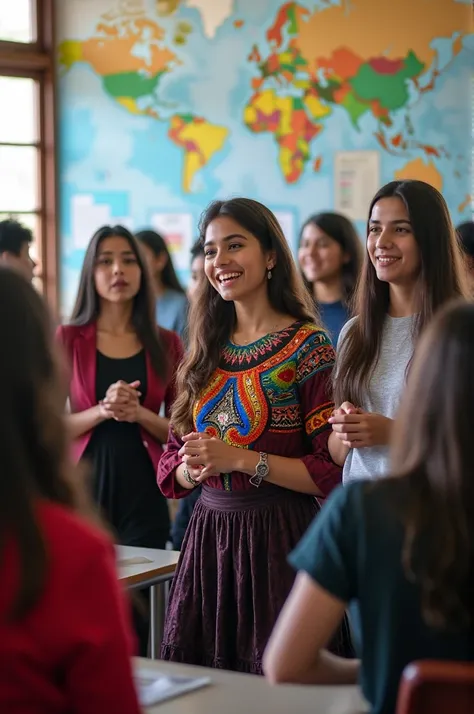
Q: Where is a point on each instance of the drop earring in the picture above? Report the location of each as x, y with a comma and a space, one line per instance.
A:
269, 274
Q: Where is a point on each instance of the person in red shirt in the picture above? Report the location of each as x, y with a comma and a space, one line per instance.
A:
65, 636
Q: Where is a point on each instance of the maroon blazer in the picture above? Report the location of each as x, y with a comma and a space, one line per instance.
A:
80, 347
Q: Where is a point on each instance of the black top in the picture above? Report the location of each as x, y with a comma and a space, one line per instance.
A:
354, 551
124, 481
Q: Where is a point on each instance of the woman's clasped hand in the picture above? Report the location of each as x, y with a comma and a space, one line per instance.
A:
121, 402
358, 429
207, 456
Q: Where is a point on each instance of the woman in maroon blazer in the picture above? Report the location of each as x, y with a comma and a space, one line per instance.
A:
122, 372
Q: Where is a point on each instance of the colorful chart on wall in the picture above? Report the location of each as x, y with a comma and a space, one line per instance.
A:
166, 105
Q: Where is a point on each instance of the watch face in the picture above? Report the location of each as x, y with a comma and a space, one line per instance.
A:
262, 470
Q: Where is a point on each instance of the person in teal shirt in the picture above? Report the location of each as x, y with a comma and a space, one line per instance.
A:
400, 549
171, 301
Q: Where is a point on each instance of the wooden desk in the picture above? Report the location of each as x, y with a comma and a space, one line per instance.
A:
154, 574
234, 693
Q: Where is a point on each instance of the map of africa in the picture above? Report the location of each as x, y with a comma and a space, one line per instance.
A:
167, 104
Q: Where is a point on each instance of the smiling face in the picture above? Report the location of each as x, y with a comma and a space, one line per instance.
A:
235, 264
117, 274
391, 245
321, 257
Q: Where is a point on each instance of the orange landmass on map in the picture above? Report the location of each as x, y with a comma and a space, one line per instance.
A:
388, 29
112, 53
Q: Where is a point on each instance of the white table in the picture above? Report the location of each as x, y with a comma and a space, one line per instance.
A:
155, 573
233, 693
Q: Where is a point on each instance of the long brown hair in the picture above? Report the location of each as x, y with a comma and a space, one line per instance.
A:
33, 441
441, 278
212, 319
157, 244
87, 306
341, 230
432, 448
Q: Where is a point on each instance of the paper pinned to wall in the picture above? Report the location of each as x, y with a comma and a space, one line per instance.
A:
177, 229
286, 220
357, 180
87, 216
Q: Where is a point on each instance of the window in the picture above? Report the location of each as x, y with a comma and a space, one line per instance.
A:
27, 137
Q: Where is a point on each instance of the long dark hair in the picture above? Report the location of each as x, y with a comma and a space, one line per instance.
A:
432, 448
87, 307
212, 319
33, 441
441, 279
157, 244
341, 230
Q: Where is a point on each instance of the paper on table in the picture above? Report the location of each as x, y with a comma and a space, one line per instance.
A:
155, 687
137, 560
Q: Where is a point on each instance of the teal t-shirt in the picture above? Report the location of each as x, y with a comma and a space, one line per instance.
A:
353, 549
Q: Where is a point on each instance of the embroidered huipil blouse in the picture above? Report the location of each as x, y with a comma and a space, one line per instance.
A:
273, 395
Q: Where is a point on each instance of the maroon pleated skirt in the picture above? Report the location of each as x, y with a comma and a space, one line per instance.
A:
233, 578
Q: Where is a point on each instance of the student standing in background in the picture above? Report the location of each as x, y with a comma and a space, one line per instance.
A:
412, 267
122, 372
15, 241
330, 258
65, 636
171, 302
465, 232
197, 269
186, 505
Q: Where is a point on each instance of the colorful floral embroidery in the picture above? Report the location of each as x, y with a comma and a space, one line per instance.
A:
256, 388
317, 420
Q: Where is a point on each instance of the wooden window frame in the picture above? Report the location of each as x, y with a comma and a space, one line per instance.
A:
35, 60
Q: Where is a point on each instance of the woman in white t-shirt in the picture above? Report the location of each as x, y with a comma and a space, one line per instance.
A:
412, 266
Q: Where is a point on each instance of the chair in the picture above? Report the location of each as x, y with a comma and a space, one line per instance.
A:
436, 687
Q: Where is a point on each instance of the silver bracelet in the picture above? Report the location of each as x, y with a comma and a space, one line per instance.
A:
189, 478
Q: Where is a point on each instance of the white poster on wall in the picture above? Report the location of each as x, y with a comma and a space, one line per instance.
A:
87, 217
357, 180
287, 222
177, 229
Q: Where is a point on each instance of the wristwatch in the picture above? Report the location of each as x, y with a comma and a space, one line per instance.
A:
261, 472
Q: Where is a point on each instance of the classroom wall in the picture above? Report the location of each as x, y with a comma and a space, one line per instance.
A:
165, 105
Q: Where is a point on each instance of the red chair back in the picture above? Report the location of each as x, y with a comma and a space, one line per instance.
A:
435, 687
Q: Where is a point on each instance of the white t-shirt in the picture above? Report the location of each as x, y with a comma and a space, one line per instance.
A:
383, 395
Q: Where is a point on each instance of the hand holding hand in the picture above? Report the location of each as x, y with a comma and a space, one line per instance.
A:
122, 401
208, 454
358, 429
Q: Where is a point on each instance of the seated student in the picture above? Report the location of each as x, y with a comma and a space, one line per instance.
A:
65, 639
401, 549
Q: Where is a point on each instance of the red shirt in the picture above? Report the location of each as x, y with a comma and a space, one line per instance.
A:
80, 346
71, 653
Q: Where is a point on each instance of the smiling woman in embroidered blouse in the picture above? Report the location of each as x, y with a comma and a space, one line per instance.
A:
252, 409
